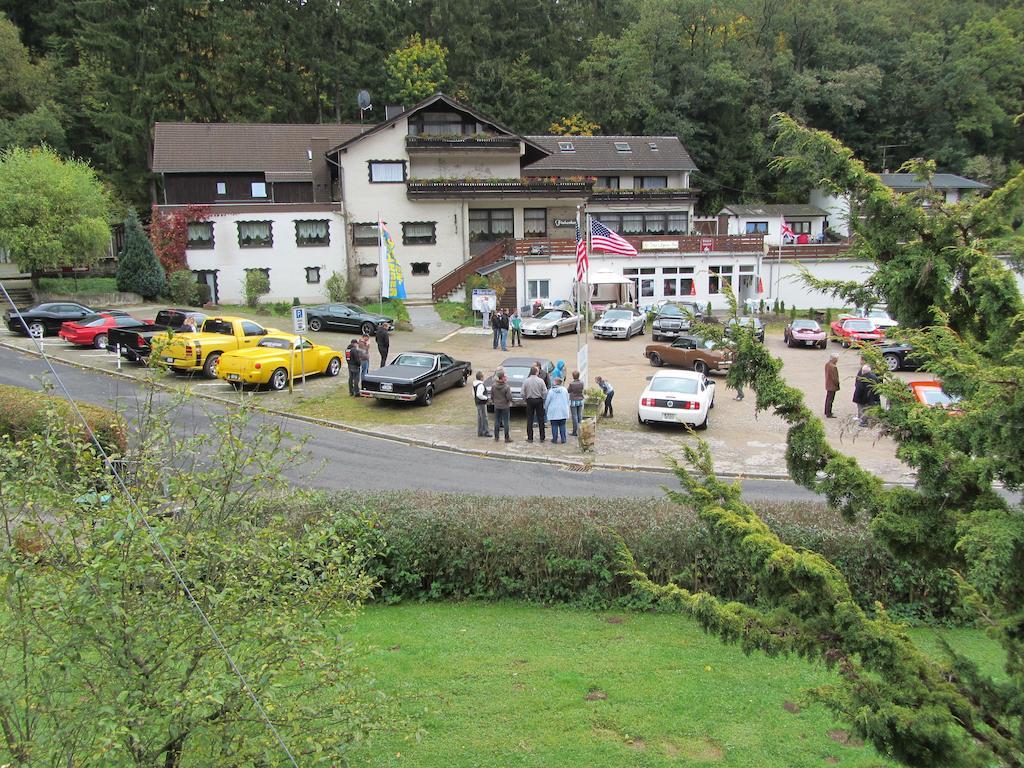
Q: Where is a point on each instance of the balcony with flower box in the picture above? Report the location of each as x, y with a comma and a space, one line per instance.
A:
421, 189
446, 142
654, 195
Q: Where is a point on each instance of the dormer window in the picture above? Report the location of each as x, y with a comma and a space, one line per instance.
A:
566, 146
653, 145
622, 146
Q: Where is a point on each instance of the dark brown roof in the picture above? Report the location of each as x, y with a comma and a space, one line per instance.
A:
278, 148
427, 102
592, 154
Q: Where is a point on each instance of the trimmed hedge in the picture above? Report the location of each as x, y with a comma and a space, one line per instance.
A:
24, 412
553, 550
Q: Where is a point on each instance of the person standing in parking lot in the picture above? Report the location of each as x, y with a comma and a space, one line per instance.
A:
354, 358
480, 398
831, 383
503, 325
542, 371
516, 322
865, 394
383, 342
556, 407
501, 399
495, 328
609, 393
364, 363
576, 397
534, 392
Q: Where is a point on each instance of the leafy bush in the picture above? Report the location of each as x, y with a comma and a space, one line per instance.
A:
256, 284
24, 413
138, 268
338, 288
182, 288
203, 294
558, 550
104, 656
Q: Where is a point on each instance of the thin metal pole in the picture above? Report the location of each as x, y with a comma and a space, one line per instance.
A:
579, 340
382, 257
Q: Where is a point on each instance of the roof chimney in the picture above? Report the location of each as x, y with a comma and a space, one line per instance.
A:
393, 110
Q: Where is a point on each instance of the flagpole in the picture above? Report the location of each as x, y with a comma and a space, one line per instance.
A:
590, 252
579, 341
381, 258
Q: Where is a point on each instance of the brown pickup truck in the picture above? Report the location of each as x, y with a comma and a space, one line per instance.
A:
689, 351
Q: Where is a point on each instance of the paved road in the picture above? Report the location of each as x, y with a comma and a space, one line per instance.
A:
367, 463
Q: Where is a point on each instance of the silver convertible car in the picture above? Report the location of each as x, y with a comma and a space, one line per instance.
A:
619, 324
551, 322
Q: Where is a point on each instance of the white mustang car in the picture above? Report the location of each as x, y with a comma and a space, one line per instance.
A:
677, 397
619, 324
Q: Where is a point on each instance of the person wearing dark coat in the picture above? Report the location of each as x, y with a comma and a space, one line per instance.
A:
831, 383
501, 399
354, 358
865, 393
383, 342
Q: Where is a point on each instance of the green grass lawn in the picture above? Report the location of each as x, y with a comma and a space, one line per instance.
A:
453, 406
69, 286
456, 312
517, 685
390, 308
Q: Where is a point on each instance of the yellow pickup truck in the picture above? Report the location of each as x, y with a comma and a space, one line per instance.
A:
188, 352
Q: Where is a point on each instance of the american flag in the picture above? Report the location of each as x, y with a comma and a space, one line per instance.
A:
582, 262
603, 239
787, 231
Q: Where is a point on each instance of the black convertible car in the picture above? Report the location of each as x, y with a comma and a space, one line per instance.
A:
344, 317
46, 319
416, 376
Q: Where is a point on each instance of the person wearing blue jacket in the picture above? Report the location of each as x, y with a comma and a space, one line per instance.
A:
559, 372
556, 407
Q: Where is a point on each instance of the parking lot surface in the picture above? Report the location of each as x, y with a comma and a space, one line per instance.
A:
742, 441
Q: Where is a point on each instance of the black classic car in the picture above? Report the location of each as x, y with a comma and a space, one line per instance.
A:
344, 317
899, 356
46, 319
416, 376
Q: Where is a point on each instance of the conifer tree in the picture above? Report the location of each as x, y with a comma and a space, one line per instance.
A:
138, 268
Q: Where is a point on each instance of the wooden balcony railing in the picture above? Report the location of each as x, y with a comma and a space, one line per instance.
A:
548, 246
810, 250
461, 142
457, 277
446, 188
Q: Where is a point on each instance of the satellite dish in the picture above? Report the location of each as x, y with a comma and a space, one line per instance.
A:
363, 97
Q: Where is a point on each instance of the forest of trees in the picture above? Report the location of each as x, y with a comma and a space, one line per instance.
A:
943, 80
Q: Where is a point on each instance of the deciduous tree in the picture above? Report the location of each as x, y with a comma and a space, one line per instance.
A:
53, 213
416, 70
105, 660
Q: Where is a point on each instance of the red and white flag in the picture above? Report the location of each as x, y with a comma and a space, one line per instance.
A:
693, 287
787, 231
582, 262
603, 239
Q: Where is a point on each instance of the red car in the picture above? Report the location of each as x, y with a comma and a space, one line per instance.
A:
852, 329
91, 330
